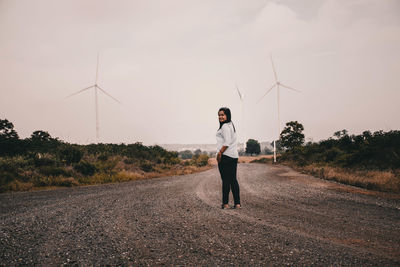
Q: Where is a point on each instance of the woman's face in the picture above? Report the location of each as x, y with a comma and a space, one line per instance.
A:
222, 116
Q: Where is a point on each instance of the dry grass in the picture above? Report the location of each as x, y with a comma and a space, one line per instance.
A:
386, 181
49, 183
248, 159
242, 159
19, 186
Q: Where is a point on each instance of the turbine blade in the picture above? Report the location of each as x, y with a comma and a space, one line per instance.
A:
273, 68
109, 95
80, 91
290, 88
240, 95
267, 92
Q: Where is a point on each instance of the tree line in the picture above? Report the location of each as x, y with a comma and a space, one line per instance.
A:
43, 160
372, 151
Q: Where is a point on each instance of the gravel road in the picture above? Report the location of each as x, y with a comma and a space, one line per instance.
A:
287, 219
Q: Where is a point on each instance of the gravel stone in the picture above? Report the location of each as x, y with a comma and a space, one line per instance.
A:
286, 218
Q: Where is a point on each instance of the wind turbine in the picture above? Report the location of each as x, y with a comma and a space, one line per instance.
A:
241, 96
96, 88
277, 84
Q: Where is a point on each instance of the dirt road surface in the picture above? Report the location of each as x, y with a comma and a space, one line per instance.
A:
287, 219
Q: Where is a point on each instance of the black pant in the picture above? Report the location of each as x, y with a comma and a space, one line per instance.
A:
227, 168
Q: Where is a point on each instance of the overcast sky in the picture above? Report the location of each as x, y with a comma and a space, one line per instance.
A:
174, 63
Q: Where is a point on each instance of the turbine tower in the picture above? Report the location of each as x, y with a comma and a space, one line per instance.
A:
96, 88
241, 96
277, 84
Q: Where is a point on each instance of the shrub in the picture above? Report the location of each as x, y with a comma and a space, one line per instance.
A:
40, 161
54, 181
103, 157
65, 182
8, 171
70, 154
107, 166
53, 171
129, 161
85, 168
146, 166
42, 181
186, 154
171, 160
16, 186
200, 160
262, 160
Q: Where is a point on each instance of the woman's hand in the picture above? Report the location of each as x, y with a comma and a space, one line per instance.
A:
219, 155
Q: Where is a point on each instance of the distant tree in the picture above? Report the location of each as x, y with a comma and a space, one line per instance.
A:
367, 135
344, 140
340, 134
253, 147
9, 139
41, 141
197, 152
186, 154
7, 130
40, 136
292, 135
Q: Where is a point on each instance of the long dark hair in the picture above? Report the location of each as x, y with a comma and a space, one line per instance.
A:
228, 114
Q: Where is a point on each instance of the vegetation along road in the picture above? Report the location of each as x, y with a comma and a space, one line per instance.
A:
287, 218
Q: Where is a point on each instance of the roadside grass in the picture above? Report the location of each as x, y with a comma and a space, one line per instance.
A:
385, 181
263, 160
19, 174
378, 180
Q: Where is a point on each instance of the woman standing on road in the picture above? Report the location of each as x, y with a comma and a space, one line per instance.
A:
227, 158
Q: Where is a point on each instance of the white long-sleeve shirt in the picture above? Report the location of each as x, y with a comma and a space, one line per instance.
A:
226, 136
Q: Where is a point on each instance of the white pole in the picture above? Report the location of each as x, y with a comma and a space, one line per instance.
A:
279, 114
96, 100
244, 137
244, 131
97, 114
279, 117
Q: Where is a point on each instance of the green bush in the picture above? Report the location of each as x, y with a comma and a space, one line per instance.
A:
85, 168
68, 182
186, 154
41, 181
103, 157
8, 171
43, 161
129, 161
146, 166
53, 171
200, 160
70, 154
171, 160
107, 166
